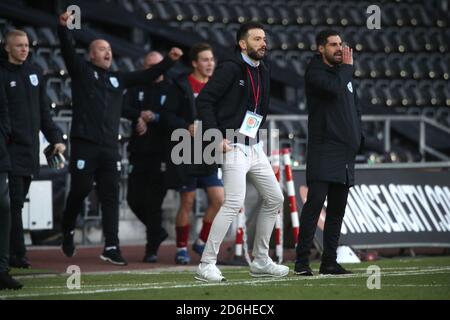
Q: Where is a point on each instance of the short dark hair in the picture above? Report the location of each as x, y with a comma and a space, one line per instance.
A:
243, 30
322, 36
197, 48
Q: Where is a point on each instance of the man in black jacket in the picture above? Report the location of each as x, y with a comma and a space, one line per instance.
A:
147, 155
6, 281
97, 106
334, 138
181, 113
236, 101
28, 110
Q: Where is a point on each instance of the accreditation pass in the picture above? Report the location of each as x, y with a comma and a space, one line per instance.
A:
250, 125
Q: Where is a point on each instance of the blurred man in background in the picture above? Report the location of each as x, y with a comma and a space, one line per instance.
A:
97, 107
6, 281
23, 94
147, 155
181, 113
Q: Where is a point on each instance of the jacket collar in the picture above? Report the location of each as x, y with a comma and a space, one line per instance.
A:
98, 69
11, 66
249, 61
317, 61
238, 58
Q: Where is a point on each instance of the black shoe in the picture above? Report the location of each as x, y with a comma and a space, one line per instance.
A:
19, 262
68, 246
114, 256
8, 282
333, 269
150, 258
303, 270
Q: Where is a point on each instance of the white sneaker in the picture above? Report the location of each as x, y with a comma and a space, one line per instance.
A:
269, 269
208, 272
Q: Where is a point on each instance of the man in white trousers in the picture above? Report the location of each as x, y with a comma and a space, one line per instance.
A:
236, 101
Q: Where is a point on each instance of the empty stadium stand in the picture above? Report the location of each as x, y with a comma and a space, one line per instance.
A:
402, 68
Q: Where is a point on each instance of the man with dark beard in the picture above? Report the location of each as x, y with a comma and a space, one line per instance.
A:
236, 101
334, 138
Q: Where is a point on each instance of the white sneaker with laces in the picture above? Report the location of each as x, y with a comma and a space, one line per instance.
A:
268, 269
208, 272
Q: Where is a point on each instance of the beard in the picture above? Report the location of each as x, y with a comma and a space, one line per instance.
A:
255, 55
333, 59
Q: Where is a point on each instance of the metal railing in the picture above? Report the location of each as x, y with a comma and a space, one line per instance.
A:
423, 121
387, 120
65, 125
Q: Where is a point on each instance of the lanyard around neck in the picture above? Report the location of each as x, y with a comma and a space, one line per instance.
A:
257, 92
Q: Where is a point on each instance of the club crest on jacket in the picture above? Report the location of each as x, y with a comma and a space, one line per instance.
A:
114, 82
350, 87
34, 80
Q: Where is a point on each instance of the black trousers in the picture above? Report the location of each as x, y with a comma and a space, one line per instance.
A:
90, 162
146, 192
337, 201
18, 190
5, 222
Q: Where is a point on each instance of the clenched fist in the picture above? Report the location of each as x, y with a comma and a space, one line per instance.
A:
147, 116
175, 53
65, 18
60, 148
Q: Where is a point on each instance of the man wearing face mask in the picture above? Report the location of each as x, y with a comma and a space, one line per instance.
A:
236, 101
97, 106
23, 96
334, 138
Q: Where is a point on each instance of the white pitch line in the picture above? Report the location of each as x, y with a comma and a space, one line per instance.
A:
171, 285
178, 270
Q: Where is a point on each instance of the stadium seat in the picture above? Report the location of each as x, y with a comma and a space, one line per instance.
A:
54, 91
58, 61
48, 37
32, 35
125, 64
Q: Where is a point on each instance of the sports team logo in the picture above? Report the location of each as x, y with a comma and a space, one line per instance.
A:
114, 82
80, 164
350, 87
34, 80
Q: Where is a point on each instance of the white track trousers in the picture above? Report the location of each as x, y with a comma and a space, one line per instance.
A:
239, 162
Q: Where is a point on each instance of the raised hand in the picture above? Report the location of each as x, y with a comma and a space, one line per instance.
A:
175, 53
64, 19
347, 55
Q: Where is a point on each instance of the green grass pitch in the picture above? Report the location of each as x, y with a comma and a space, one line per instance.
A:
401, 278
